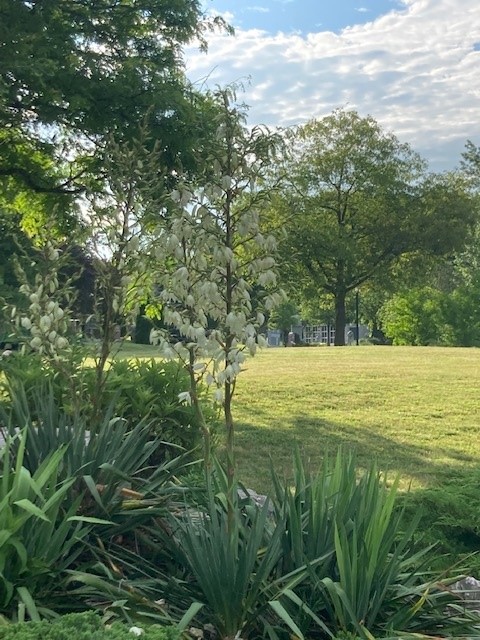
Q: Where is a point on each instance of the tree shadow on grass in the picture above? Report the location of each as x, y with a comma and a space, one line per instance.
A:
443, 480
421, 464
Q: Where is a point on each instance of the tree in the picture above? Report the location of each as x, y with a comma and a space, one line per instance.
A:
77, 78
90, 64
283, 317
358, 199
74, 72
470, 163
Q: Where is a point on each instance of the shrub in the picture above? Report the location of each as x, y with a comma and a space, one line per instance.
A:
414, 317
149, 390
82, 626
460, 309
334, 558
450, 519
138, 391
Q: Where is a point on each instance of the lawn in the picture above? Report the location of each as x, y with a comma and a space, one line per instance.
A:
414, 409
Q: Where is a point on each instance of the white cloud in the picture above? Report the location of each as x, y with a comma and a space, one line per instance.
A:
258, 9
415, 70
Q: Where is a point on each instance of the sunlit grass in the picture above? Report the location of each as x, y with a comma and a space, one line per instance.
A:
414, 409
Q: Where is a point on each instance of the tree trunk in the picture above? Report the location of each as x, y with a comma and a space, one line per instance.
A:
340, 318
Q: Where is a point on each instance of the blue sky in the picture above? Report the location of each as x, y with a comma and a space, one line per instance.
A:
414, 65
302, 15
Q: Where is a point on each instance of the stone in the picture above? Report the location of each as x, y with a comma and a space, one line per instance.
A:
257, 499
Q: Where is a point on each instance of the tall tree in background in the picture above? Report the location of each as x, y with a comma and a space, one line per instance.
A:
358, 199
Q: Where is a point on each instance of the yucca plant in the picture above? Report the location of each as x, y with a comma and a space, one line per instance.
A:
104, 459
108, 478
372, 579
384, 585
128, 586
312, 504
226, 567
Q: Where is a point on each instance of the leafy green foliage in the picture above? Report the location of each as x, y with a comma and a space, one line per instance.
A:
72, 45
140, 392
40, 534
12, 240
100, 69
149, 390
335, 555
106, 457
109, 470
143, 328
471, 163
460, 313
283, 317
414, 317
82, 626
423, 316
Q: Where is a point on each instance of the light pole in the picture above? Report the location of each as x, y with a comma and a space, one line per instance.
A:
357, 327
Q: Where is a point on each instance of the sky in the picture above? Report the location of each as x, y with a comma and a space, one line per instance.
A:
414, 65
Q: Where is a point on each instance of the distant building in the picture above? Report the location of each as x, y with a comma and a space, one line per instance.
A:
274, 338
325, 333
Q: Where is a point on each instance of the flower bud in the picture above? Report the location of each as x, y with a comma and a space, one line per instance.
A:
61, 342
36, 343
45, 323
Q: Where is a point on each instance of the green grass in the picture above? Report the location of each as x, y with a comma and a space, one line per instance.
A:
414, 409
132, 350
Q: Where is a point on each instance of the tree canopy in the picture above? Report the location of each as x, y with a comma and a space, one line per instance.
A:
357, 199
72, 72
89, 64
